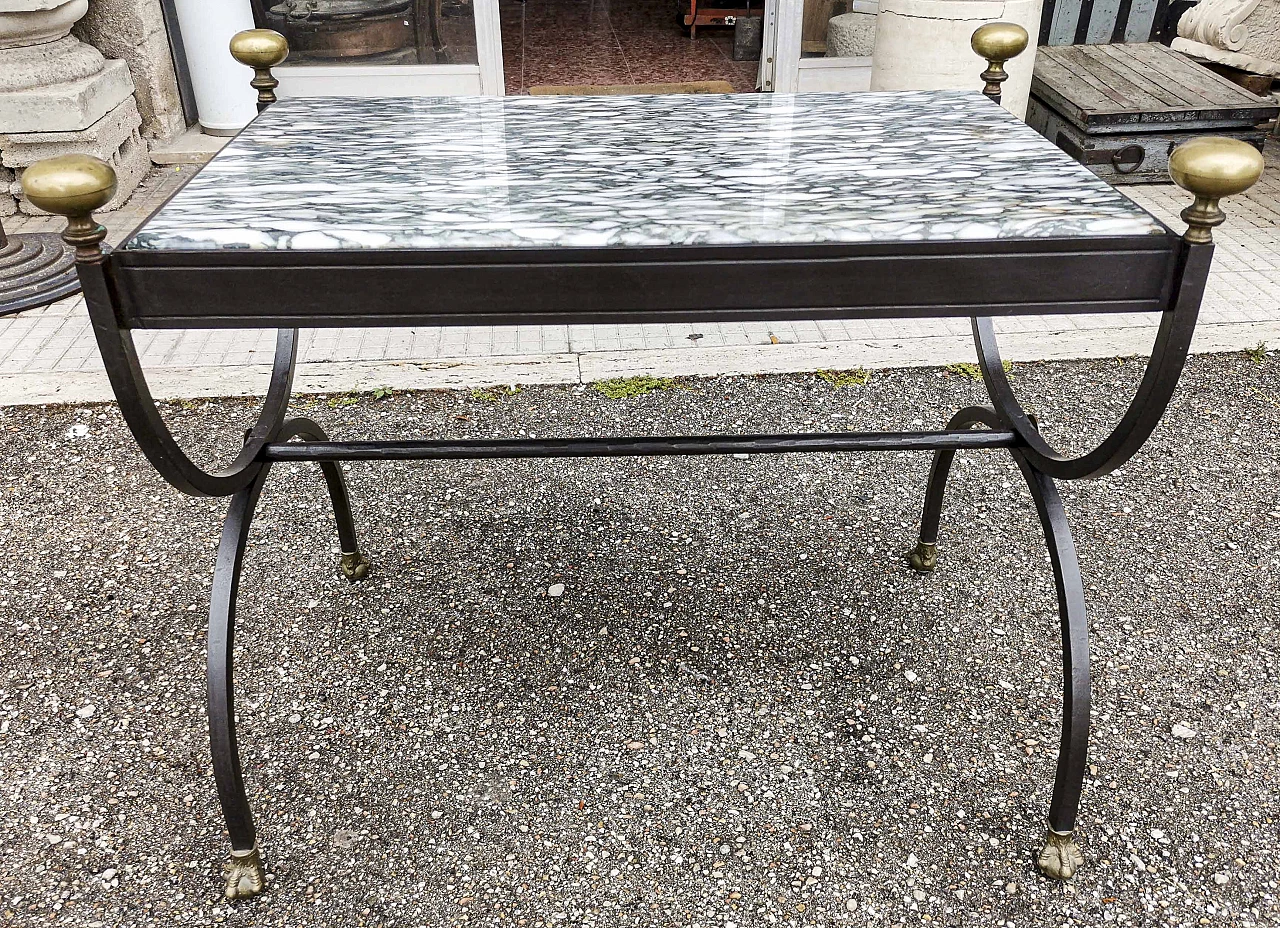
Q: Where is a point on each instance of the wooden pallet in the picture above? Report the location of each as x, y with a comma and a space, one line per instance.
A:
1120, 109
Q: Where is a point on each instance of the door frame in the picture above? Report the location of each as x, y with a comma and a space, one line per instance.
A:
780, 56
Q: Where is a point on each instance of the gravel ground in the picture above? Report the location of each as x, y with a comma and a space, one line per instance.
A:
697, 691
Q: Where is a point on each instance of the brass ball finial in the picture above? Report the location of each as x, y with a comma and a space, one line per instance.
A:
259, 48
73, 186
69, 185
262, 50
1210, 168
997, 43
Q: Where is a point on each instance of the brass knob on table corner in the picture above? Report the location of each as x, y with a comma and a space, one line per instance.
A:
69, 185
260, 49
73, 186
1211, 168
998, 42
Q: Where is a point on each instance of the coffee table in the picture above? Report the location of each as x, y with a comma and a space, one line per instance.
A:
553, 210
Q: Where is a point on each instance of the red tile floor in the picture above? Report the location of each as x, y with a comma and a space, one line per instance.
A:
612, 42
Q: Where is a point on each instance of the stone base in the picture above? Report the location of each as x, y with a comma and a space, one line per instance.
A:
114, 138
192, 147
134, 31
59, 87
8, 204
1240, 60
36, 268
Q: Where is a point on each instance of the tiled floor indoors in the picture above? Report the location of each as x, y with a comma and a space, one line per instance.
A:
49, 354
599, 42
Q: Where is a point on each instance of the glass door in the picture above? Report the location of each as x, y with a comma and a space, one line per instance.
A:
802, 53
386, 47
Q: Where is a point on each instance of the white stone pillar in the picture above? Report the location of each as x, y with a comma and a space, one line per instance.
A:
924, 45
59, 96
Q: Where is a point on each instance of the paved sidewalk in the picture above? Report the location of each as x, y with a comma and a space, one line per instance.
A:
48, 355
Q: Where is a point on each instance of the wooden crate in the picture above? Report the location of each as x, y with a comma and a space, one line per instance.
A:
1121, 109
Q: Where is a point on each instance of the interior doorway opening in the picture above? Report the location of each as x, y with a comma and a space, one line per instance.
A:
619, 46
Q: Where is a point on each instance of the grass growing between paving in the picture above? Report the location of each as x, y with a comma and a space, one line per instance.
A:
973, 371
494, 394
626, 387
852, 378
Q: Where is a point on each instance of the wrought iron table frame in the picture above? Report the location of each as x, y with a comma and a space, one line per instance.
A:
980, 280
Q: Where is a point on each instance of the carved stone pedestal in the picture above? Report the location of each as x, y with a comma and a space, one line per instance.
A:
60, 96
1243, 34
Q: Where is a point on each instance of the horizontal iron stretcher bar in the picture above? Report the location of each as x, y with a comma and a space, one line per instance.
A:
951, 440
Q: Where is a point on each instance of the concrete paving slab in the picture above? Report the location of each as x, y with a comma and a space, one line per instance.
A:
190, 147
250, 379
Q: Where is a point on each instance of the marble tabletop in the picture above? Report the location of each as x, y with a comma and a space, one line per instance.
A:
328, 173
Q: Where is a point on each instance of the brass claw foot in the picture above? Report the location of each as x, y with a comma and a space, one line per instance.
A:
923, 558
1060, 857
354, 566
244, 874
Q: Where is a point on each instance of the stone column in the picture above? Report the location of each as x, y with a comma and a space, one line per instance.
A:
924, 45
59, 96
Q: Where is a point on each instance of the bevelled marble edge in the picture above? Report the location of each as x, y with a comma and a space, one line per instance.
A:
1115, 216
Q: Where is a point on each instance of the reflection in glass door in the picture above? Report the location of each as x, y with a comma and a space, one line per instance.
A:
386, 47
374, 31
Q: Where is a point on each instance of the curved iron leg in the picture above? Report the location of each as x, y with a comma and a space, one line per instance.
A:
243, 870
924, 556
1168, 356
354, 565
1061, 857
129, 383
